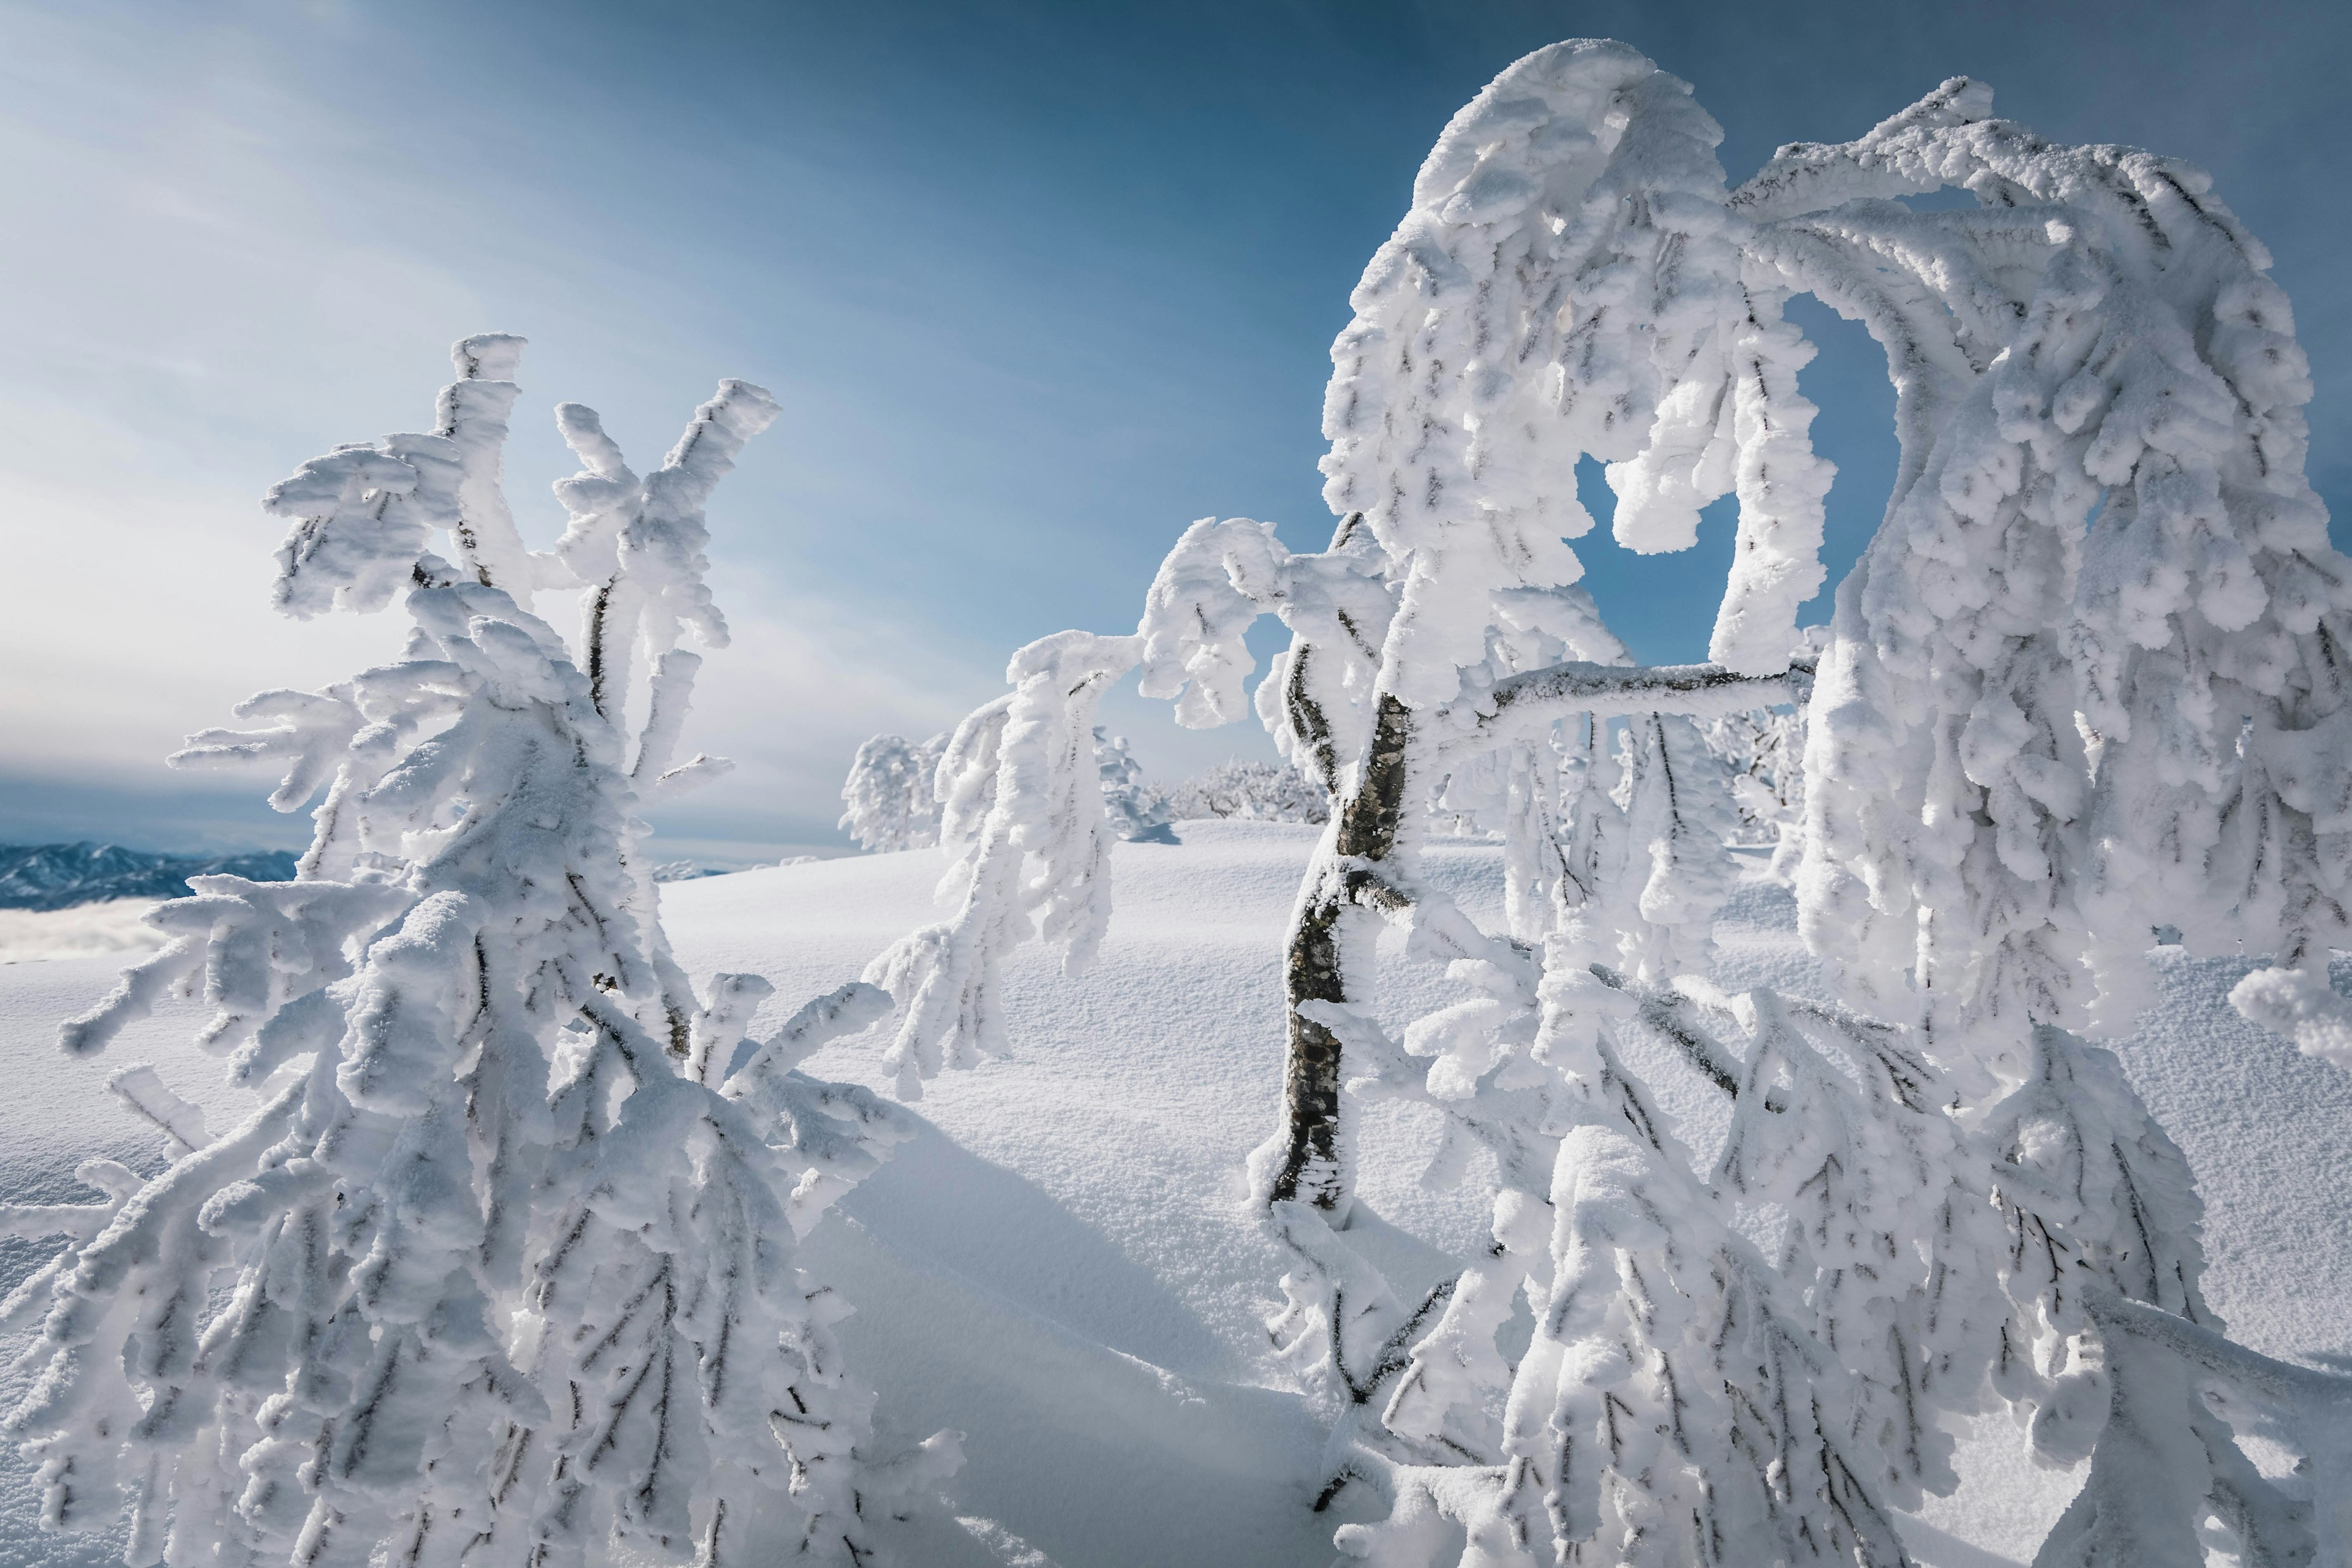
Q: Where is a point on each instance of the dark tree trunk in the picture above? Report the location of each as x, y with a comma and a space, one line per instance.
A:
1340, 885
1354, 878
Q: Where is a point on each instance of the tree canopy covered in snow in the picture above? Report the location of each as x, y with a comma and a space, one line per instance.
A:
501, 1266
2089, 680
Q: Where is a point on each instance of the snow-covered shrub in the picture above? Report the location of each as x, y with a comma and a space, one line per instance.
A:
890, 794
500, 1266
1254, 792
1138, 808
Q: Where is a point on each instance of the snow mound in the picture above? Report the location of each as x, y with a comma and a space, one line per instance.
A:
1060, 1266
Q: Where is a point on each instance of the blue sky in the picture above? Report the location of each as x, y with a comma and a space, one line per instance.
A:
1036, 284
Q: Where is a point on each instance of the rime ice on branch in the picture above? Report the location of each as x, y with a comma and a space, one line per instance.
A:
499, 1267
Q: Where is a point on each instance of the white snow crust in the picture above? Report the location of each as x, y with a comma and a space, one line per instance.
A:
1060, 1264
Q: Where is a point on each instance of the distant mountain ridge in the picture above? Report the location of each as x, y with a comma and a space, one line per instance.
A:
60, 876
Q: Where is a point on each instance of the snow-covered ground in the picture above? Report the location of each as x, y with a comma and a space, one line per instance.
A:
1060, 1266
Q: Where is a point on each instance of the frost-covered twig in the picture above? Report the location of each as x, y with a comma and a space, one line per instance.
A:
1533, 702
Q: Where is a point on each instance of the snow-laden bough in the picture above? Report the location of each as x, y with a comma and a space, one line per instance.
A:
501, 1266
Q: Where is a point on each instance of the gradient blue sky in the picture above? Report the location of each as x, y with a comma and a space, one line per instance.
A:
1037, 285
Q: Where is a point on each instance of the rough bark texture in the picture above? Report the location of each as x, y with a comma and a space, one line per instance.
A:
1308, 723
1341, 880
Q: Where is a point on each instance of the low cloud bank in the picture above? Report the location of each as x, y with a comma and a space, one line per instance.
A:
85, 931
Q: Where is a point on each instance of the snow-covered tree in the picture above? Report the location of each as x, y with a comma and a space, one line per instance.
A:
1431, 642
890, 794
2056, 707
500, 1266
1256, 792
2087, 679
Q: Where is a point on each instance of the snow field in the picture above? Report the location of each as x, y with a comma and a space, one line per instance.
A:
1060, 1266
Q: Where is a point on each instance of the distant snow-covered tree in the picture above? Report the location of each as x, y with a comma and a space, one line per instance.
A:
1256, 792
501, 1267
890, 794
